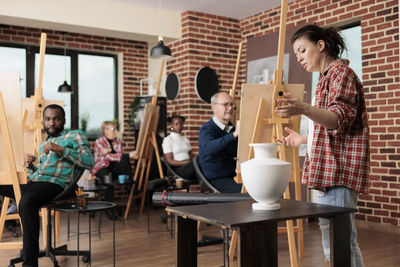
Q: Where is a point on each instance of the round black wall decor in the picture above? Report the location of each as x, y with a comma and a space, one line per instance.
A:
172, 86
206, 83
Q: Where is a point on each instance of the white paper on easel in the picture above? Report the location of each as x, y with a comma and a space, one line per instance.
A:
11, 90
251, 94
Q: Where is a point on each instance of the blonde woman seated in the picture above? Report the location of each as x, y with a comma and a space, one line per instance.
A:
110, 161
177, 150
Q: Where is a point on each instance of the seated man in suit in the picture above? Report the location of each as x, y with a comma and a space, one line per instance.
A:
218, 145
57, 157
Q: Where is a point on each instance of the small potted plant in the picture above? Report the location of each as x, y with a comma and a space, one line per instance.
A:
84, 119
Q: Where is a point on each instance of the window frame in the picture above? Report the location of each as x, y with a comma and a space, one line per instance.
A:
31, 50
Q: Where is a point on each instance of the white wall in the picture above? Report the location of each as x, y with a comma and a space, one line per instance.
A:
95, 17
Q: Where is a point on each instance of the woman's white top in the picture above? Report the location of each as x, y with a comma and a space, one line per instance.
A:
310, 131
178, 145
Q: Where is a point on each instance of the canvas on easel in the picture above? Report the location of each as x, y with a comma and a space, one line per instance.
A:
11, 143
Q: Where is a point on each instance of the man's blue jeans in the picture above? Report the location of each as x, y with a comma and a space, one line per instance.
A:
342, 197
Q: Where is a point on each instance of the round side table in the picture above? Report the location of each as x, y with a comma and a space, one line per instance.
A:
92, 206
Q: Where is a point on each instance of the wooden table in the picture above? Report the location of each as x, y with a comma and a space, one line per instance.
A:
258, 234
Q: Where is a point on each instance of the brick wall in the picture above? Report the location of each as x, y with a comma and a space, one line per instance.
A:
380, 60
134, 57
207, 40
205, 36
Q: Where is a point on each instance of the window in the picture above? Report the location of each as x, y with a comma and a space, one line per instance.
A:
53, 75
92, 75
95, 82
352, 37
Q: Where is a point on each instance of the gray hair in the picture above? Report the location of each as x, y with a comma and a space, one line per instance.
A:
214, 97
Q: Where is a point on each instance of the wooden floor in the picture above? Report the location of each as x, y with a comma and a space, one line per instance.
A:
135, 247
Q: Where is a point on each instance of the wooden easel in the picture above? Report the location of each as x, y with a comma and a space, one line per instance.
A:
232, 92
36, 104
273, 128
11, 170
146, 145
33, 125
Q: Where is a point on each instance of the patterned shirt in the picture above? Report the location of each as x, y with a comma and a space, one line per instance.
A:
103, 161
59, 169
340, 157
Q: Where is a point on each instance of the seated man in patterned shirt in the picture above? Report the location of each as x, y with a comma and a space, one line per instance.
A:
57, 157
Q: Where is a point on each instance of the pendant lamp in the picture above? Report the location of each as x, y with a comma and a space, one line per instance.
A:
160, 51
65, 87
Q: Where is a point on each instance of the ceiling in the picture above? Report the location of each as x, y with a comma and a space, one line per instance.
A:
237, 9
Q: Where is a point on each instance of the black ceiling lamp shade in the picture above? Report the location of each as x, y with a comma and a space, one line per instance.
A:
160, 51
65, 87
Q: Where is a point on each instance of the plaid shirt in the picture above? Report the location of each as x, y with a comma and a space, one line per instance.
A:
340, 157
59, 169
103, 161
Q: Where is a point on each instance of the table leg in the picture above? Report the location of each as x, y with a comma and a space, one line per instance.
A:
77, 242
258, 245
340, 240
90, 239
99, 224
148, 212
48, 244
113, 238
186, 242
68, 222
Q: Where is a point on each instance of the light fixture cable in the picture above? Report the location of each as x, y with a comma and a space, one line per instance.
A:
65, 56
159, 18
65, 88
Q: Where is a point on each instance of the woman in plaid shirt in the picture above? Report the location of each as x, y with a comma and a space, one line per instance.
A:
110, 160
337, 163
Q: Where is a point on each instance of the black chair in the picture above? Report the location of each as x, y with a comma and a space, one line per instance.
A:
61, 199
205, 185
174, 175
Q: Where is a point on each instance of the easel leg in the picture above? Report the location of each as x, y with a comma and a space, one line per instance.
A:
130, 199
43, 212
142, 200
290, 233
6, 202
145, 166
128, 205
154, 142
297, 187
232, 248
57, 223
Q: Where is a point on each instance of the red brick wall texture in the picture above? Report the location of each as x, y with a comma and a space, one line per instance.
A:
209, 40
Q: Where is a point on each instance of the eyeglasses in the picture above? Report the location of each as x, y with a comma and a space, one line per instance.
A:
111, 128
226, 105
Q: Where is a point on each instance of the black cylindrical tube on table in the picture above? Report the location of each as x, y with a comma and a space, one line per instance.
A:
181, 198
156, 183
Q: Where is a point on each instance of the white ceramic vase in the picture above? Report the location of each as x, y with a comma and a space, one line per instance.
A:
265, 177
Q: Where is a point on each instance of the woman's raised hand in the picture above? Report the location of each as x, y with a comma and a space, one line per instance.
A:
293, 139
